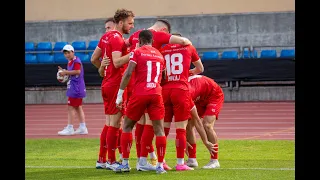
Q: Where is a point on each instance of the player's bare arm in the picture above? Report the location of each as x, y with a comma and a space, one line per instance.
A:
179, 40
198, 68
200, 128
66, 72
95, 57
121, 61
124, 82
116, 57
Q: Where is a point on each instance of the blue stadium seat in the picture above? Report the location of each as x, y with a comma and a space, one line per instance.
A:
45, 58
210, 55
268, 54
29, 46
229, 55
92, 45
44, 46
90, 54
59, 45
30, 59
288, 53
59, 58
83, 57
79, 45
246, 54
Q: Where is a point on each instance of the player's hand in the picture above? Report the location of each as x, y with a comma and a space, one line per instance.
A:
119, 102
210, 147
188, 146
187, 42
191, 72
63, 71
105, 61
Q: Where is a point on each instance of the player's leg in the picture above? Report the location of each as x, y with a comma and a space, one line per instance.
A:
115, 116
156, 112
181, 108
168, 115
102, 159
147, 138
135, 110
146, 143
119, 140
82, 129
191, 139
101, 163
209, 119
68, 130
196, 112
138, 133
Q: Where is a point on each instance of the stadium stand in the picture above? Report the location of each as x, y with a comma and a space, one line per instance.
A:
44, 53
268, 53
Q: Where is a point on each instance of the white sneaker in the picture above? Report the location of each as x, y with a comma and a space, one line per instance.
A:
112, 166
146, 167
100, 165
214, 163
66, 132
192, 163
81, 130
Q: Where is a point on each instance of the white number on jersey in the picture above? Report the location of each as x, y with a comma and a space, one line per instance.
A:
174, 66
149, 73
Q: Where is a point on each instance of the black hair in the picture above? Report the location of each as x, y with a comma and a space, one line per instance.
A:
145, 37
166, 22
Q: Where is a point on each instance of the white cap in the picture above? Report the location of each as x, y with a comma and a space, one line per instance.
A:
68, 47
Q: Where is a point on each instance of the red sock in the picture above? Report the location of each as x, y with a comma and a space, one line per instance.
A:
215, 155
166, 131
126, 143
146, 140
112, 137
161, 144
138, 134
119, 142
151, 148
192, 152
103, 145
181, 142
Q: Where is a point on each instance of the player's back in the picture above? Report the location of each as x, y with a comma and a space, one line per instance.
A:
149, 66
201, 87
112, 41
159, 39
178, 59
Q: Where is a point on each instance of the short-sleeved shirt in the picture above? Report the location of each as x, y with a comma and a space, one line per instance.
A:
149, 65
178, 59
109, 43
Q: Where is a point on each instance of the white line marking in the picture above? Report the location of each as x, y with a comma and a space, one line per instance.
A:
92, 167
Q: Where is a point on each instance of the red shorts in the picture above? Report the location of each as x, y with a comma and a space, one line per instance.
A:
109, 95
139, 103
74, 102
177, 103
210, 107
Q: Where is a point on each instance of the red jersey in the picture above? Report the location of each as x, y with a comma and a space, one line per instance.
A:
202, 87
159, 38
178, 59
110, 42
148, 70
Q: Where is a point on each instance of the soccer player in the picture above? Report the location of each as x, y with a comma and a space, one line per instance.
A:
109, 24
175, 92
148, 64
160, 30
76, 90
113, 46
208, 97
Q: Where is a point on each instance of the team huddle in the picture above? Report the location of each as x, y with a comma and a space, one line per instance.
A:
147, 84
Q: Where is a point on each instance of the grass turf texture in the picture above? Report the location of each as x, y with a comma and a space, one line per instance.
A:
239, 159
